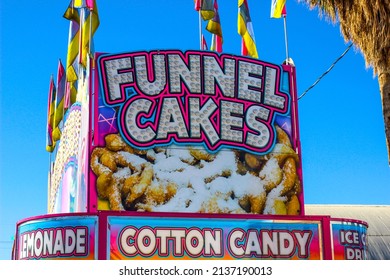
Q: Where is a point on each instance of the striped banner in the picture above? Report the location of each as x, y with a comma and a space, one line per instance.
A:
245, 29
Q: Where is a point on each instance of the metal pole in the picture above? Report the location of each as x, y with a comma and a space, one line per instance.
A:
285, 37
200, 30
49, 185
90, 33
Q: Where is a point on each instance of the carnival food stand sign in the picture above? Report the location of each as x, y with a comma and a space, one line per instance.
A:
194, 131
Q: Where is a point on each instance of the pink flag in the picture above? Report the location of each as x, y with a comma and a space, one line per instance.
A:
284, 13
60, 81
59, 101
204, 44
216, 43
278, 8
198, 4
50, 116
90, 4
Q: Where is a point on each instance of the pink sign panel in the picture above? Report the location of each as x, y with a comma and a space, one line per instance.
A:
194, 132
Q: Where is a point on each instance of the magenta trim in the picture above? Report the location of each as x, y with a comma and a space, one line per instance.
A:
327, 239
348, 220
93, 105
209, 215
50, 216
89, 191
295, 127
102, 237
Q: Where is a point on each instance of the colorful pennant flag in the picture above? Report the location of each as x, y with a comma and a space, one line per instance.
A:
84, 21
72, 14
216, 43
205, 7
214, 26
245, 29
59, 101
91, 4
50, 144
204, 44
90, 23
278, 8
70, 94
84, 4
198, 5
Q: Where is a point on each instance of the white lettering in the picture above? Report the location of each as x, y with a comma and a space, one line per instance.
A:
54, 242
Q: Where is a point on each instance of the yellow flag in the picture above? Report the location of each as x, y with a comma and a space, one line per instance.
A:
245, 29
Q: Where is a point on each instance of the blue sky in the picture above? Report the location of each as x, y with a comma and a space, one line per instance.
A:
344, 154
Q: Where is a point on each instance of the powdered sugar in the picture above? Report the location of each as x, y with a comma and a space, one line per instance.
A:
204, 182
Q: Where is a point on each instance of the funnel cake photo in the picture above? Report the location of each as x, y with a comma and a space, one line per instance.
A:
189, 179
